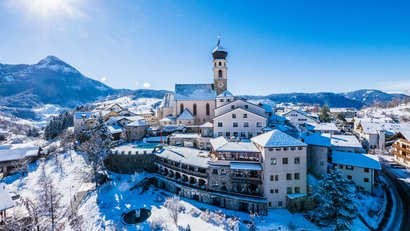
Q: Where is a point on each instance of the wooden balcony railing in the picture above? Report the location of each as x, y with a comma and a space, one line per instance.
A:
397, 153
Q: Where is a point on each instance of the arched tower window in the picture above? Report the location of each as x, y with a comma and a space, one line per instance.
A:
220, 63
208, 109
181, 108
220, 73
195, 109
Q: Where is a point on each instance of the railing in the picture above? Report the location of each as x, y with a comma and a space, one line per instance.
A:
184, 170
252, 195
398, 147
257, 180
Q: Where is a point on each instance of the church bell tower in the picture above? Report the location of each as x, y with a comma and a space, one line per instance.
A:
220, 68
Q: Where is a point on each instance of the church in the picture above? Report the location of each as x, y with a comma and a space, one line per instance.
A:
198, 104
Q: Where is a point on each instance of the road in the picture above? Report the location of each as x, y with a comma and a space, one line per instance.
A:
402, 218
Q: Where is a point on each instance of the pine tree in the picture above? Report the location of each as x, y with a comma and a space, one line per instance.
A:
335, 197
324, 114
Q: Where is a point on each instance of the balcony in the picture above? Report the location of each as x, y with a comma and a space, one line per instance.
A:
397, 153
184, 170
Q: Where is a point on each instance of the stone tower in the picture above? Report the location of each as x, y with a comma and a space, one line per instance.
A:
220, 68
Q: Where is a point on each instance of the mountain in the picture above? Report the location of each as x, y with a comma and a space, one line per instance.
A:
321, 98
50, 81
370, 96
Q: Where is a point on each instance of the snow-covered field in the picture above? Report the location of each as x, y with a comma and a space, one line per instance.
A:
129, 103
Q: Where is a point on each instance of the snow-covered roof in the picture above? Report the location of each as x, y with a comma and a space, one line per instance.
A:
186, 115
207, 125
137, 123
317, 139
225, 93
276, 138
17, 154
372, 128
194, 92
186, 135
355, 159
168, 119
85, 115
237, 147
406, 135
276, 117
115, 129
5, 199
321, 127
246, 166
185, 155
218, 142
168, 100
344, 141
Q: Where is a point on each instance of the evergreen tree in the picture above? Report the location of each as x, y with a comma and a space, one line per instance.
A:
324, 114
335, 197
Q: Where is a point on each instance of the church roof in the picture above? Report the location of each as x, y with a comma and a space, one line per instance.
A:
185, 115
194, 92
225, 94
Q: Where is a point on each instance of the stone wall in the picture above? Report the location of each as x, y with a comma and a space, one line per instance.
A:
127, 164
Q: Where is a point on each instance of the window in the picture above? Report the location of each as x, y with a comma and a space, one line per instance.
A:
276, 190
366, 170
297, 189
228, 134
258, 124
280, 203
235, 124
288, 176
220, 63
223, 171
235, 134
246, 106
219, 133
232, 107
245, 124
297, 160
215, 171
221, 100
289, 190
285, 161
348, 167
271, 177
349, 177
270, 204
341, 166
273, 161
297, 176
220, 73
271, 191
243, 134
208, 109
366, 180
195, 111
245, 116
220, 124
181, 108
233, 116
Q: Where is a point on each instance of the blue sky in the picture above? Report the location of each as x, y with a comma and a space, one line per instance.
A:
274, 46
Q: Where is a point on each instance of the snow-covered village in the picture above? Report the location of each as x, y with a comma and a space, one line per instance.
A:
186, 124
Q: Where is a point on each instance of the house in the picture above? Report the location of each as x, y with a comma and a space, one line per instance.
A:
401, 149
327, 128
114, 107
239, 119
83, 121
360, 168
284, 169
317, 152
343, 112
345, 143
299, 117
12, 158
135, 130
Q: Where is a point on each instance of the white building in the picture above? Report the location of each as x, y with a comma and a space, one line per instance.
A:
360, 168
239, 119
84, 120
284, 168
299, 117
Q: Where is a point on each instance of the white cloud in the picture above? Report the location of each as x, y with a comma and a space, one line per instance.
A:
401, 86
146, 85
103, 79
